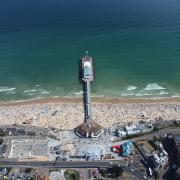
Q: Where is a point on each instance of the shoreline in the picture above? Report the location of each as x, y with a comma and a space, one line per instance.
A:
68, 113
105, 100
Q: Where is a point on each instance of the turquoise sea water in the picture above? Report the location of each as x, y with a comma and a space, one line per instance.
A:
135, 45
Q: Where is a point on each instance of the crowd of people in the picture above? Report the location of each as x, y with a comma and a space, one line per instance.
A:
68, 115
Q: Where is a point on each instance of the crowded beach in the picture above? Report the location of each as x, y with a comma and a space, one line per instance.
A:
68, 113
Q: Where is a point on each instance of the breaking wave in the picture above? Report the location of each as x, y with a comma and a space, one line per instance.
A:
30, 90
130, 88
79, 92
42, 91
153, 86
35, 92
150, 90
4, 89
163, 93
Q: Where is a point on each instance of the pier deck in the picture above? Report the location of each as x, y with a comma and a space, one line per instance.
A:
88, 128
87, 103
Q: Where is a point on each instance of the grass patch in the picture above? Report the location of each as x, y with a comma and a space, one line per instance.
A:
111, 172
71, 175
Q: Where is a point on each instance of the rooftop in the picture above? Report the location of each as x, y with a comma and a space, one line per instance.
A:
87, 71
146, 146
93, 131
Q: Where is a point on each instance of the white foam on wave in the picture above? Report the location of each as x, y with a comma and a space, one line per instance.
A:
155, 94
130, 88
30, 90
127, 94
42, 91
35, 92
142, 95
153, 86
95, 95
79, 92
163, 93
4, 89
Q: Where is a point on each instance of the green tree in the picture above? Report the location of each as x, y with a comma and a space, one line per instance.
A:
71, 175
1, 140
1, 133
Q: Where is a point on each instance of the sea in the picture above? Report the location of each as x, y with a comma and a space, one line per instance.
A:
135, 46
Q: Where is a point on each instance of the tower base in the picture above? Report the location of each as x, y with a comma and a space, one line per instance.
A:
93, 131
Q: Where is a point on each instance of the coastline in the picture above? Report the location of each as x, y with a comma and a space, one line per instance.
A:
68, 113
93, 99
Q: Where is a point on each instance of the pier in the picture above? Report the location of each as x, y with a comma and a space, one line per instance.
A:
88, 128
87, 103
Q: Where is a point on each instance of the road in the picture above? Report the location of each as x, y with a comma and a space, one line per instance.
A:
69, 164
169, 130
50, 164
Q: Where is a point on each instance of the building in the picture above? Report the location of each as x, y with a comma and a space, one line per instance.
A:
155, 159
95, 130
145, 149
121, 132
176, 138
134, 129
159, 146
127, 148
158, 160
138, 128
124, 149
146, 146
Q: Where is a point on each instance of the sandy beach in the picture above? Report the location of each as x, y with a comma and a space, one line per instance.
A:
67, 113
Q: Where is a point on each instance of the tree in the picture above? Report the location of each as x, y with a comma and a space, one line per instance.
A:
1, 133
1, 140
71, 175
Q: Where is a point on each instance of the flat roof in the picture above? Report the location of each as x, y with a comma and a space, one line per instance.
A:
87, 63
